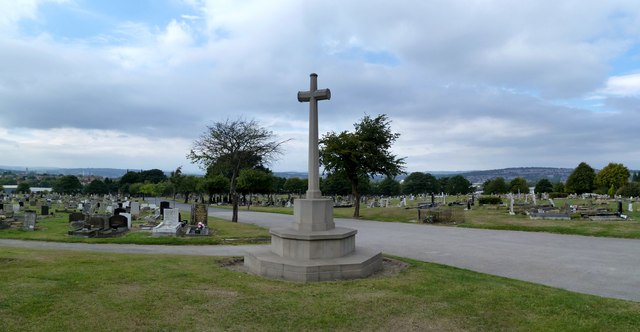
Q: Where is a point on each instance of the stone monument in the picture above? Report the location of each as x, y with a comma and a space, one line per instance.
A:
312, 248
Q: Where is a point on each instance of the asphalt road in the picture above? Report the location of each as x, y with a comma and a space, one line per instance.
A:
600, 266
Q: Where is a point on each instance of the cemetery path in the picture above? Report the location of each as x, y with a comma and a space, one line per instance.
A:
607, 267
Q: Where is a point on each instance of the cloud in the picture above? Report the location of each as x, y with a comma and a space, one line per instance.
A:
468, 84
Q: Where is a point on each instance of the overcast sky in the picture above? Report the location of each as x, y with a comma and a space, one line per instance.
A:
468, 84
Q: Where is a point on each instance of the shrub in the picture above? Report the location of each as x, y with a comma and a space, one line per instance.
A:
490, 200
558, 195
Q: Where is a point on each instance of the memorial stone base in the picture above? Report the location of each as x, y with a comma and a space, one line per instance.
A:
313, 249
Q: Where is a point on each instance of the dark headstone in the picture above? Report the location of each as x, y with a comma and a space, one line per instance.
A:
164, 205
98, 222
1, 206
76, 216
619, 207
44, 210
118, 221
21, 203
119, 210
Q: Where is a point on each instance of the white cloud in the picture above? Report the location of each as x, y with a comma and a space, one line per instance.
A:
625, 85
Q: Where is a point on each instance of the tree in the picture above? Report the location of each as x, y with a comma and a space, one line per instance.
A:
420, 183
23, 188
544, 186
295, 186
254, 181
212, 185
233, 146
581, 180
96, 187
389, 187
631, 189
458, 185
365, 152
559, 187
612, 176
519, 185
152, 176
68, 184
635, 177
496, 186
188, 184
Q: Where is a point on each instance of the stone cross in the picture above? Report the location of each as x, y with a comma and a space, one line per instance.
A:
312, 96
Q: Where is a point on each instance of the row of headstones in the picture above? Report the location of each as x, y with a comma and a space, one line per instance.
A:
16, 208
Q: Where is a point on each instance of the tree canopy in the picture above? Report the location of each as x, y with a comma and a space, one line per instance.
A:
544, 186
68, 184
230, 146
364, 152
612, 176
519, 185
496, 186
581, 180
420, 183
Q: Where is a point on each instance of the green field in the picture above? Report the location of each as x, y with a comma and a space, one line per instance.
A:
48, 290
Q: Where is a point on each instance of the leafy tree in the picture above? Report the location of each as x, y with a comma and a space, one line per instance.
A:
135, 188
111, 185
631, 189
581, 180
544, 186
365, 152
96, 187
129, 178
152, 176
188, 185
458, 184
336, 184
176, 180
496, 186
612, 176
212, 185
23, 188
389, 187
635, 177
278, 184
68, 184
519, 185
253, 181
296, 186
420, 183
233, 146
558, 187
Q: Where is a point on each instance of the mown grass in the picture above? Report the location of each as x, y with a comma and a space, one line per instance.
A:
55, 229
45, 290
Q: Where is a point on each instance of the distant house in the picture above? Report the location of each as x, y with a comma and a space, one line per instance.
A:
11, 188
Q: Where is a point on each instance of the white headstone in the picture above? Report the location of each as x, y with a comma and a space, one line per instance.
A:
16, 208
630, 207
135, 208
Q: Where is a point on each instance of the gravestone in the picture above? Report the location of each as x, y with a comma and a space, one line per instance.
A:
16, 208
170, 225
44, 210
76, 220
135, 209
164, 205
199, 220
128, 216
21, 203
2, 206
312, 248
117, 221
29, 223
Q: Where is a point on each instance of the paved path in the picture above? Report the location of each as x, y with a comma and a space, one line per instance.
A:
601, 266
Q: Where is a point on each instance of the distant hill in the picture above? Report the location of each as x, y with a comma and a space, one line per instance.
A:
531, 174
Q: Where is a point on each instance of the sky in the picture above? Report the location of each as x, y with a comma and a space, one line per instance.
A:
468, 84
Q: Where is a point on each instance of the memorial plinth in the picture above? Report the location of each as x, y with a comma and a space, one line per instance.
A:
312, 248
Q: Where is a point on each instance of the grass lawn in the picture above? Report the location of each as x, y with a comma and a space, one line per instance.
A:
55, 229
48, 290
